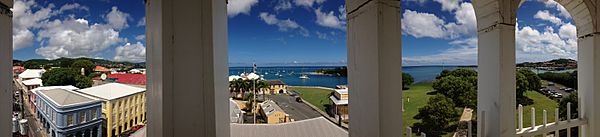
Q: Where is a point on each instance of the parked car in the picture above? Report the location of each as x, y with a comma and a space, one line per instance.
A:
569, 89
557, 95
550, 84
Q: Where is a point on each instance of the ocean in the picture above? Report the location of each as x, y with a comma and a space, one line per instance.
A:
290, 75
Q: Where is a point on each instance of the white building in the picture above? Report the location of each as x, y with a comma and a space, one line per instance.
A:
31, 74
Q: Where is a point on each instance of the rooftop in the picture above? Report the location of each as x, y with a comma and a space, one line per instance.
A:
62, 97
69, 87
32, 73
275, 82
35, 81
112, 91
337, 101
234, 111
316, 127
342, 91
101, 69
270, 107
138, 79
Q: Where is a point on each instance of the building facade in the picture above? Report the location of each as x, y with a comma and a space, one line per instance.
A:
339, 99
66, 113
275, 87
272, 113
123, 106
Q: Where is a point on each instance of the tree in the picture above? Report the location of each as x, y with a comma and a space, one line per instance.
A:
32, 65
534, 81
65, 76
461, 90
437, 116
562, 105
407, 80
87, 65
522, 87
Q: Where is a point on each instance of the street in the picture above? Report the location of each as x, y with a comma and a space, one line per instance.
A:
296, 110
35, 128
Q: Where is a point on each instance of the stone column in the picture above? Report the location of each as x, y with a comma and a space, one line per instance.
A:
374, 65
6, 87
496, 93
587, 82
187, 75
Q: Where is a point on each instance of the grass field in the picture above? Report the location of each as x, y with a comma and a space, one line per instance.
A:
540, 103
414, 98
315, 96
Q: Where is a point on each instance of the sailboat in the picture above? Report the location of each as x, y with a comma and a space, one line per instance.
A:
304, 76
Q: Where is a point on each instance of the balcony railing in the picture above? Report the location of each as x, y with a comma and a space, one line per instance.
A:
546, 127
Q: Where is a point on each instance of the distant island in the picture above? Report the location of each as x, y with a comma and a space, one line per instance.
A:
552, 65
338, 71
66, 62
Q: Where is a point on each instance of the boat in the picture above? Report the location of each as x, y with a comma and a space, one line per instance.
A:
304, 77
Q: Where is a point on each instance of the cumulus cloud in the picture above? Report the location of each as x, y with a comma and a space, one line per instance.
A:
140, 37
531, 43
449, 5
547, 16
283, 25
131, 53
330, 19
419, 24
308, 3
559, 8
142, 22
25, 20
117, 19
283, 5
72, 6
236, 7
75, 38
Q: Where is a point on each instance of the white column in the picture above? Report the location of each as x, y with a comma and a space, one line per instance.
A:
6, 90
374, 64
187, 61
496, 82
587, 80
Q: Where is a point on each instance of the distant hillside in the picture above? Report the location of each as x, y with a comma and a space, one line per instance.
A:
66, 62
564, 63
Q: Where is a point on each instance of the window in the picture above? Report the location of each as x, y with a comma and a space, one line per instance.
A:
93, 112
82, 117
70, 119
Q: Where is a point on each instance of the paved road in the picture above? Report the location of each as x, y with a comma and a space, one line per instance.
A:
296, 110
556, 88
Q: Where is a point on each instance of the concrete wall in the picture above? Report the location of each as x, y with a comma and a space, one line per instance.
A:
6, 87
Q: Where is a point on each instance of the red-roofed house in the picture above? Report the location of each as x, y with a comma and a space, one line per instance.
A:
101, 69
136, 79
18, 70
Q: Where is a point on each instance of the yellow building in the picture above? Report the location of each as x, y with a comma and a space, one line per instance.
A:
275, 87
123, 106
272, 113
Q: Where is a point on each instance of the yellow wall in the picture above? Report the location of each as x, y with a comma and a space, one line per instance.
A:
277, 117
275, 89
123, 109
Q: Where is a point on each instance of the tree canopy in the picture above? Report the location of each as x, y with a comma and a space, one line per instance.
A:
87, 65
407, 80
66, 76
460, 85
562, 105
437, 116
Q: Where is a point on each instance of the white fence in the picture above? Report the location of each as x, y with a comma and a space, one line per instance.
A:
548, 128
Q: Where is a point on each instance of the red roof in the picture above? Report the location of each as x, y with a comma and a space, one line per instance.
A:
18, 69
101, 69
138, 79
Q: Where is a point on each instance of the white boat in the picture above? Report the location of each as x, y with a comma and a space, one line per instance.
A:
304, 77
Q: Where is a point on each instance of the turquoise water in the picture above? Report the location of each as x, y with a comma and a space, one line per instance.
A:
290, 75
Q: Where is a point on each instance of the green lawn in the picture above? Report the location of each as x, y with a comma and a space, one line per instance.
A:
315, 96
540, 103
418, 98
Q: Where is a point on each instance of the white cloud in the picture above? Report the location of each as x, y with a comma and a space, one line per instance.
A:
75, 38
140, 37
72, 6
117, 19
535, 45
330, 20
307, 3
131, 53
419, 25
283, 25
283, 5
25, 20
236, 7
547, 16
449, 5
142, 22
560, 8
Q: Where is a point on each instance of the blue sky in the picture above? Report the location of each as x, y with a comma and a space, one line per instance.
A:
285, 32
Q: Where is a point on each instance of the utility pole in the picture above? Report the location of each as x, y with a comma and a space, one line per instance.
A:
254, 92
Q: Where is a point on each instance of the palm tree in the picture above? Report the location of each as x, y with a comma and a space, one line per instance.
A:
262, 85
